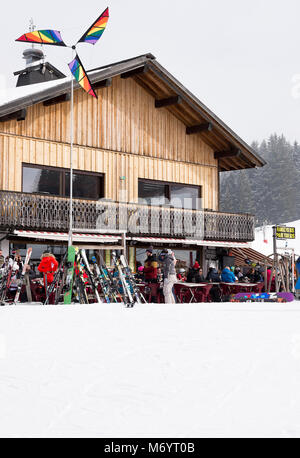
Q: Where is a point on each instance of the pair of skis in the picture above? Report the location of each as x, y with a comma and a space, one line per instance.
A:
77, 264
8, 278
131, 292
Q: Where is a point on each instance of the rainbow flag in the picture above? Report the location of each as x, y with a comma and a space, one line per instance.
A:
43, 37
80, 75
94, 33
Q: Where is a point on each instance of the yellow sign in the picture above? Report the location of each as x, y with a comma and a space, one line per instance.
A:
285, 232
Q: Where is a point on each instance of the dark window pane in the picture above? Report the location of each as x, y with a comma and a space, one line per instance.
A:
152, 192
41, 181
84, 186
185, 197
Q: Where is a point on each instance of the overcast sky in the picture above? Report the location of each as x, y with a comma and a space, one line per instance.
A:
239, 57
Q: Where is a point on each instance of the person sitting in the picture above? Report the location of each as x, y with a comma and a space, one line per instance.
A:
254, 276
213, 276
140, 274
181, 275
194, 275
238, 274
227, 276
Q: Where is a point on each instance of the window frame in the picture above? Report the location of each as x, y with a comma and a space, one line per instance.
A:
168, 186
62, 184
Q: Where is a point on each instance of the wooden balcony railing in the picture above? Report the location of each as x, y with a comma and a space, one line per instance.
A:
43, 212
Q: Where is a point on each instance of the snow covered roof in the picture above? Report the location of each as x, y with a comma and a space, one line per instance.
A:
15, 94
163, 86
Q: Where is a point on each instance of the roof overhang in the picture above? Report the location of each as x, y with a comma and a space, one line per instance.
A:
63, 237
189, 242
231, 152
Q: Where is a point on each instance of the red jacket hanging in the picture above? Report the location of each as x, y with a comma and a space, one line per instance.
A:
48, 266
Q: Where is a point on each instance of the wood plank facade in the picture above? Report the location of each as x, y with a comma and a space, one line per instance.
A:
120, 134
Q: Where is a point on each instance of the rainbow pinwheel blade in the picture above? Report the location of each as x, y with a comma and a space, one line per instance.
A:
80, 75
95, 32
44, 37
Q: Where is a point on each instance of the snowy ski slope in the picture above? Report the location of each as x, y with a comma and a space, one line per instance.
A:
198, 370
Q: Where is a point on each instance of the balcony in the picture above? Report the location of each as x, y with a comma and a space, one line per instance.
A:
43, 212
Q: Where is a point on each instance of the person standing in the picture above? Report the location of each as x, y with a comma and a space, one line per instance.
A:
169, 263
150, 273
150, 267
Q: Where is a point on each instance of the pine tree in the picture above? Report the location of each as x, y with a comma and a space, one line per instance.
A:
272, 193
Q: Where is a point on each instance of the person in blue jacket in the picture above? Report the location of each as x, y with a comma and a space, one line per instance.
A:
227, 276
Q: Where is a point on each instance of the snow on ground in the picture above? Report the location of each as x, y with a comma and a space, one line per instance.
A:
198, 370
267, 233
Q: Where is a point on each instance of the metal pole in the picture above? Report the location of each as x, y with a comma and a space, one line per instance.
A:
293, 271
275, 259
70, 241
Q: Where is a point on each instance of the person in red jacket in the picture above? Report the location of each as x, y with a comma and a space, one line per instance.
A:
48, 266
150, 273
150, 268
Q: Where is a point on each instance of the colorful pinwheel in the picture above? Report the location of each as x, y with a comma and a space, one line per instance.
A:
53, 37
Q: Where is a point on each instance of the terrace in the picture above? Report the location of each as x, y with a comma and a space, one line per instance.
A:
43, 212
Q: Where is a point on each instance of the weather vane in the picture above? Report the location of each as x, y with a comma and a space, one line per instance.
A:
53, 37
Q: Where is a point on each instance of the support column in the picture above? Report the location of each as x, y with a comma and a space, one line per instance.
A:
4, 246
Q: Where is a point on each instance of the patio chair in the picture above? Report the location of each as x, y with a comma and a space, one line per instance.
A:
183, 294
202, 293
258, 289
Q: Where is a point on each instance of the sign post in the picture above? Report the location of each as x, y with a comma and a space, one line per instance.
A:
282, 233
275, 257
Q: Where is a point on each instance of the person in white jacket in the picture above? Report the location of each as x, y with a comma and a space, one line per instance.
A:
169, 261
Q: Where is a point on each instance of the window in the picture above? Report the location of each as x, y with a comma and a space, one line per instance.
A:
86, 186
154, 193
44, 181
185, 197
178, 195
56, 182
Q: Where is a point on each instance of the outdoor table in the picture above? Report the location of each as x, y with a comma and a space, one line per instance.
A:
235, 288
192, 287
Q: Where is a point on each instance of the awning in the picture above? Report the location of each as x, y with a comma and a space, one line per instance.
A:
63, 237
210, 243
241, 254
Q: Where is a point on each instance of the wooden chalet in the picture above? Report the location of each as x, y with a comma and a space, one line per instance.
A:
145, 137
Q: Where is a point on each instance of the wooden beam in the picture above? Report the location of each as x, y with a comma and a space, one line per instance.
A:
199, 128
103, 83
136, 71
174, 100
55, 100
229, 153
19, 115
